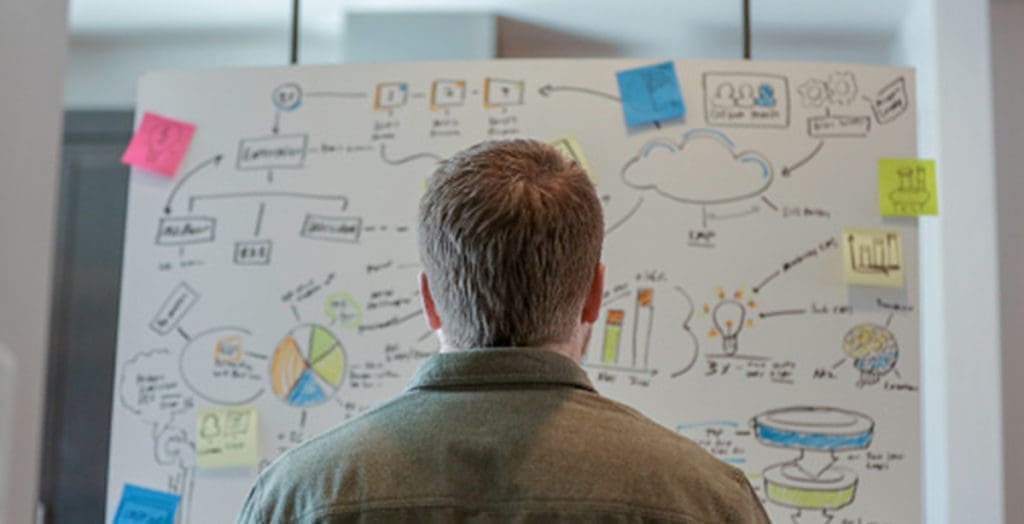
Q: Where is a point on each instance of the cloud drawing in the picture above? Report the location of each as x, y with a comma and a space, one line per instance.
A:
704, 168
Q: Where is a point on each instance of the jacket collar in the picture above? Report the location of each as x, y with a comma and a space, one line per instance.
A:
499, 366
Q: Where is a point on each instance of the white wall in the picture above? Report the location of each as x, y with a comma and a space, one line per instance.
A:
103, 69
948, 41
103, 64
32, 52
1008, 87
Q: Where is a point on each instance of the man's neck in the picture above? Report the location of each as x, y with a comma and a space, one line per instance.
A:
569, 349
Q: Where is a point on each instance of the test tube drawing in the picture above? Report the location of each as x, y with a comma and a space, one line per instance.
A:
642, 325
612, 333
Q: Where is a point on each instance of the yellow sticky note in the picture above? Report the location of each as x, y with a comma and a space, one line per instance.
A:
906, 187
568, 146
872, 257
227, 437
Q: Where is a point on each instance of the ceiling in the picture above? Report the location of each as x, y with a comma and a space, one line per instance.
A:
622, 21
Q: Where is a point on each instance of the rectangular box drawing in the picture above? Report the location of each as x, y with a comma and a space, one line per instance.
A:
499, 92
390, 95
612, 336
253, 252
272, 152
181, 231
891, 101
174, 308
746, 100
839, 126
334, 229
447, 93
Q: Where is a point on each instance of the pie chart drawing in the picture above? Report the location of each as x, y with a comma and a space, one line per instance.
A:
308, 366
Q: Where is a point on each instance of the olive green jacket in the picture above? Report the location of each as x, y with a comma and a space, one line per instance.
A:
500, 435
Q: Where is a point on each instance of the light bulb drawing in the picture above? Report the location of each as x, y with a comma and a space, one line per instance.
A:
728, 317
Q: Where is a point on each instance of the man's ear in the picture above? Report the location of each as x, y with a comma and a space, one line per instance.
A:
429, 309
592, 305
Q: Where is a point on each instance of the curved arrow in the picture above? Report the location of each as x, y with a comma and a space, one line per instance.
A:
547, 89
215, 160
787, 170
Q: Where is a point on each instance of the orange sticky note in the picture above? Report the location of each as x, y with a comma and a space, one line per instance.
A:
159, 144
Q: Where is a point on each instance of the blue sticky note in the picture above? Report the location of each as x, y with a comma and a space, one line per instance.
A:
145, 506
650, 93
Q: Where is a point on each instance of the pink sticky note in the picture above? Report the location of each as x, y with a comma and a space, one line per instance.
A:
159, 144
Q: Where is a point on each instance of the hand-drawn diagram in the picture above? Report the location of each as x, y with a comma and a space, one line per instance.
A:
390, 95
626, 339
642, 325
729, 317
287, 97
873, 349
276, 273
704, 168
500, 92
912, 195
840, 89
835, 126
308, 366
746, 100
174, 308
870, 254
812, 482
220, 366
891, 101
447, 93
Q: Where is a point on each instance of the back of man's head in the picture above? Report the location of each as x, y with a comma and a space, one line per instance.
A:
510, 236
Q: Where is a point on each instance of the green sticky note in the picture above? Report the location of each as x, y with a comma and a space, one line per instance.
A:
906, 187
227, 437
872, 257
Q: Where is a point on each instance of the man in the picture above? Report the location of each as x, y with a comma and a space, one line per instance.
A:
503, 424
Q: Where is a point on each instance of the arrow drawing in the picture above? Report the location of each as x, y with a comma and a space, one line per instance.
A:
546, 90
787, 170
214, 160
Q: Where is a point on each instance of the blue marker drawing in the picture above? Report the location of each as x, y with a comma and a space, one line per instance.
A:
710, 423
306, 391
794, 439
814, 428
145, 506
766, 96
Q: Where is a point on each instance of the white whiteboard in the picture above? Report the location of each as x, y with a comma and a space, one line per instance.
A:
294, 213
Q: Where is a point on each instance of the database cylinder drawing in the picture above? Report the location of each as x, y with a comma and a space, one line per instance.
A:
812, 481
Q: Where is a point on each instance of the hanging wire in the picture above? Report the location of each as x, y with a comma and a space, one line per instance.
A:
746, 29
295, 33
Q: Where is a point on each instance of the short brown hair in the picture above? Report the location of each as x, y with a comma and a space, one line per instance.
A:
510, 234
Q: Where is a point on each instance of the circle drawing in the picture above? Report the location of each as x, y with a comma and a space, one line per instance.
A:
308, 366
287, 97
217, 365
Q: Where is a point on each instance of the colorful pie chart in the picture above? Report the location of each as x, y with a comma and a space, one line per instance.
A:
308, 366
